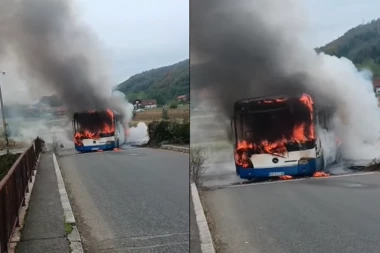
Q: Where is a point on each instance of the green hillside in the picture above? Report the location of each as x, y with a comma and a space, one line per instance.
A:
163, 84
360, 44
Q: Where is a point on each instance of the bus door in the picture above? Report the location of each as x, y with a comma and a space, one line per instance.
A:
116, 126
75, 126
318, 124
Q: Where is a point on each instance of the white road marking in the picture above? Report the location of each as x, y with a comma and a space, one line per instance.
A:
207, 245
74, 237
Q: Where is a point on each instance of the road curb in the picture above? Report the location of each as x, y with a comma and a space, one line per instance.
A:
16, 235
175, 148
74, 237
207, 245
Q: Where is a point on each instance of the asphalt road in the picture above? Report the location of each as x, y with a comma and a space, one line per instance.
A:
135, 200
337, 215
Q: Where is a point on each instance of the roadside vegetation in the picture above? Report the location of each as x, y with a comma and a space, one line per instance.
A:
54, 146
373, 166
166, 125
168, 132
164, 84
6, 163
68, 228
12, 144
179, 113
198, 168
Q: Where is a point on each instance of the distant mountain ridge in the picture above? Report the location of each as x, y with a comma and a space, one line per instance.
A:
360, 44
163, 84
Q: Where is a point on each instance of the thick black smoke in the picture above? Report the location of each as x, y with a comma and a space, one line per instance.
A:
94, 122
247, 50
57, 51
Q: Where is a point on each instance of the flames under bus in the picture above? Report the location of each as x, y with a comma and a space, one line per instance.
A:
96, 130
277, 136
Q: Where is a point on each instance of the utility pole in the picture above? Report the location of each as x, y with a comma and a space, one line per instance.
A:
4, 123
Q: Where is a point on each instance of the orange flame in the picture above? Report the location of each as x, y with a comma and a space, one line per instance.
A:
306, 99
320, 174
278, 147
86, 134
286, 177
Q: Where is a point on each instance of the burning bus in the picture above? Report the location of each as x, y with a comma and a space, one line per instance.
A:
96, 130
278, 137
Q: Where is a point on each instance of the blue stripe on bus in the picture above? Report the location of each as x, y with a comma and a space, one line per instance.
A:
294, 170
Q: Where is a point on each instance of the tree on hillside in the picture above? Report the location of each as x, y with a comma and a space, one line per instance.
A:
360, 44
142, 95
163, 84
131, 97
160, 98
173, 105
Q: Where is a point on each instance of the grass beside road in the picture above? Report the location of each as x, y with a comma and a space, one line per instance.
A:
135, 122
12, 144
180, 113
6, 163
68, 228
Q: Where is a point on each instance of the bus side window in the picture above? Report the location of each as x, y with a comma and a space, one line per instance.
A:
232, 127
77, 127
235, 122
322, 119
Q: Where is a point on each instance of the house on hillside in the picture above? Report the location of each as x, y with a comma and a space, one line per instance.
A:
144, 103
61, 111
182, 98
376, 86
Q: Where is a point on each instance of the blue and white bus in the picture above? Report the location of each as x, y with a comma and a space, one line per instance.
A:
97, 130
278, 137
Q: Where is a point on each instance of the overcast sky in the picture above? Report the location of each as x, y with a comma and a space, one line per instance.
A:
145, 34
330, 19
139, 35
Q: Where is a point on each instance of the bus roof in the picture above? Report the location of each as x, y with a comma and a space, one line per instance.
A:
246, 101
90, 111
263, 98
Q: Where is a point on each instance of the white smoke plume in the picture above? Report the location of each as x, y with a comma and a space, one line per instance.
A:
25, 131
249, 48
137, 135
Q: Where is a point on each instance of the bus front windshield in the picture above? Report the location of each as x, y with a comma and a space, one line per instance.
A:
94, 124
280, 130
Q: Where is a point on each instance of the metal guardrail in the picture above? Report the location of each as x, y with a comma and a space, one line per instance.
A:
12, 191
